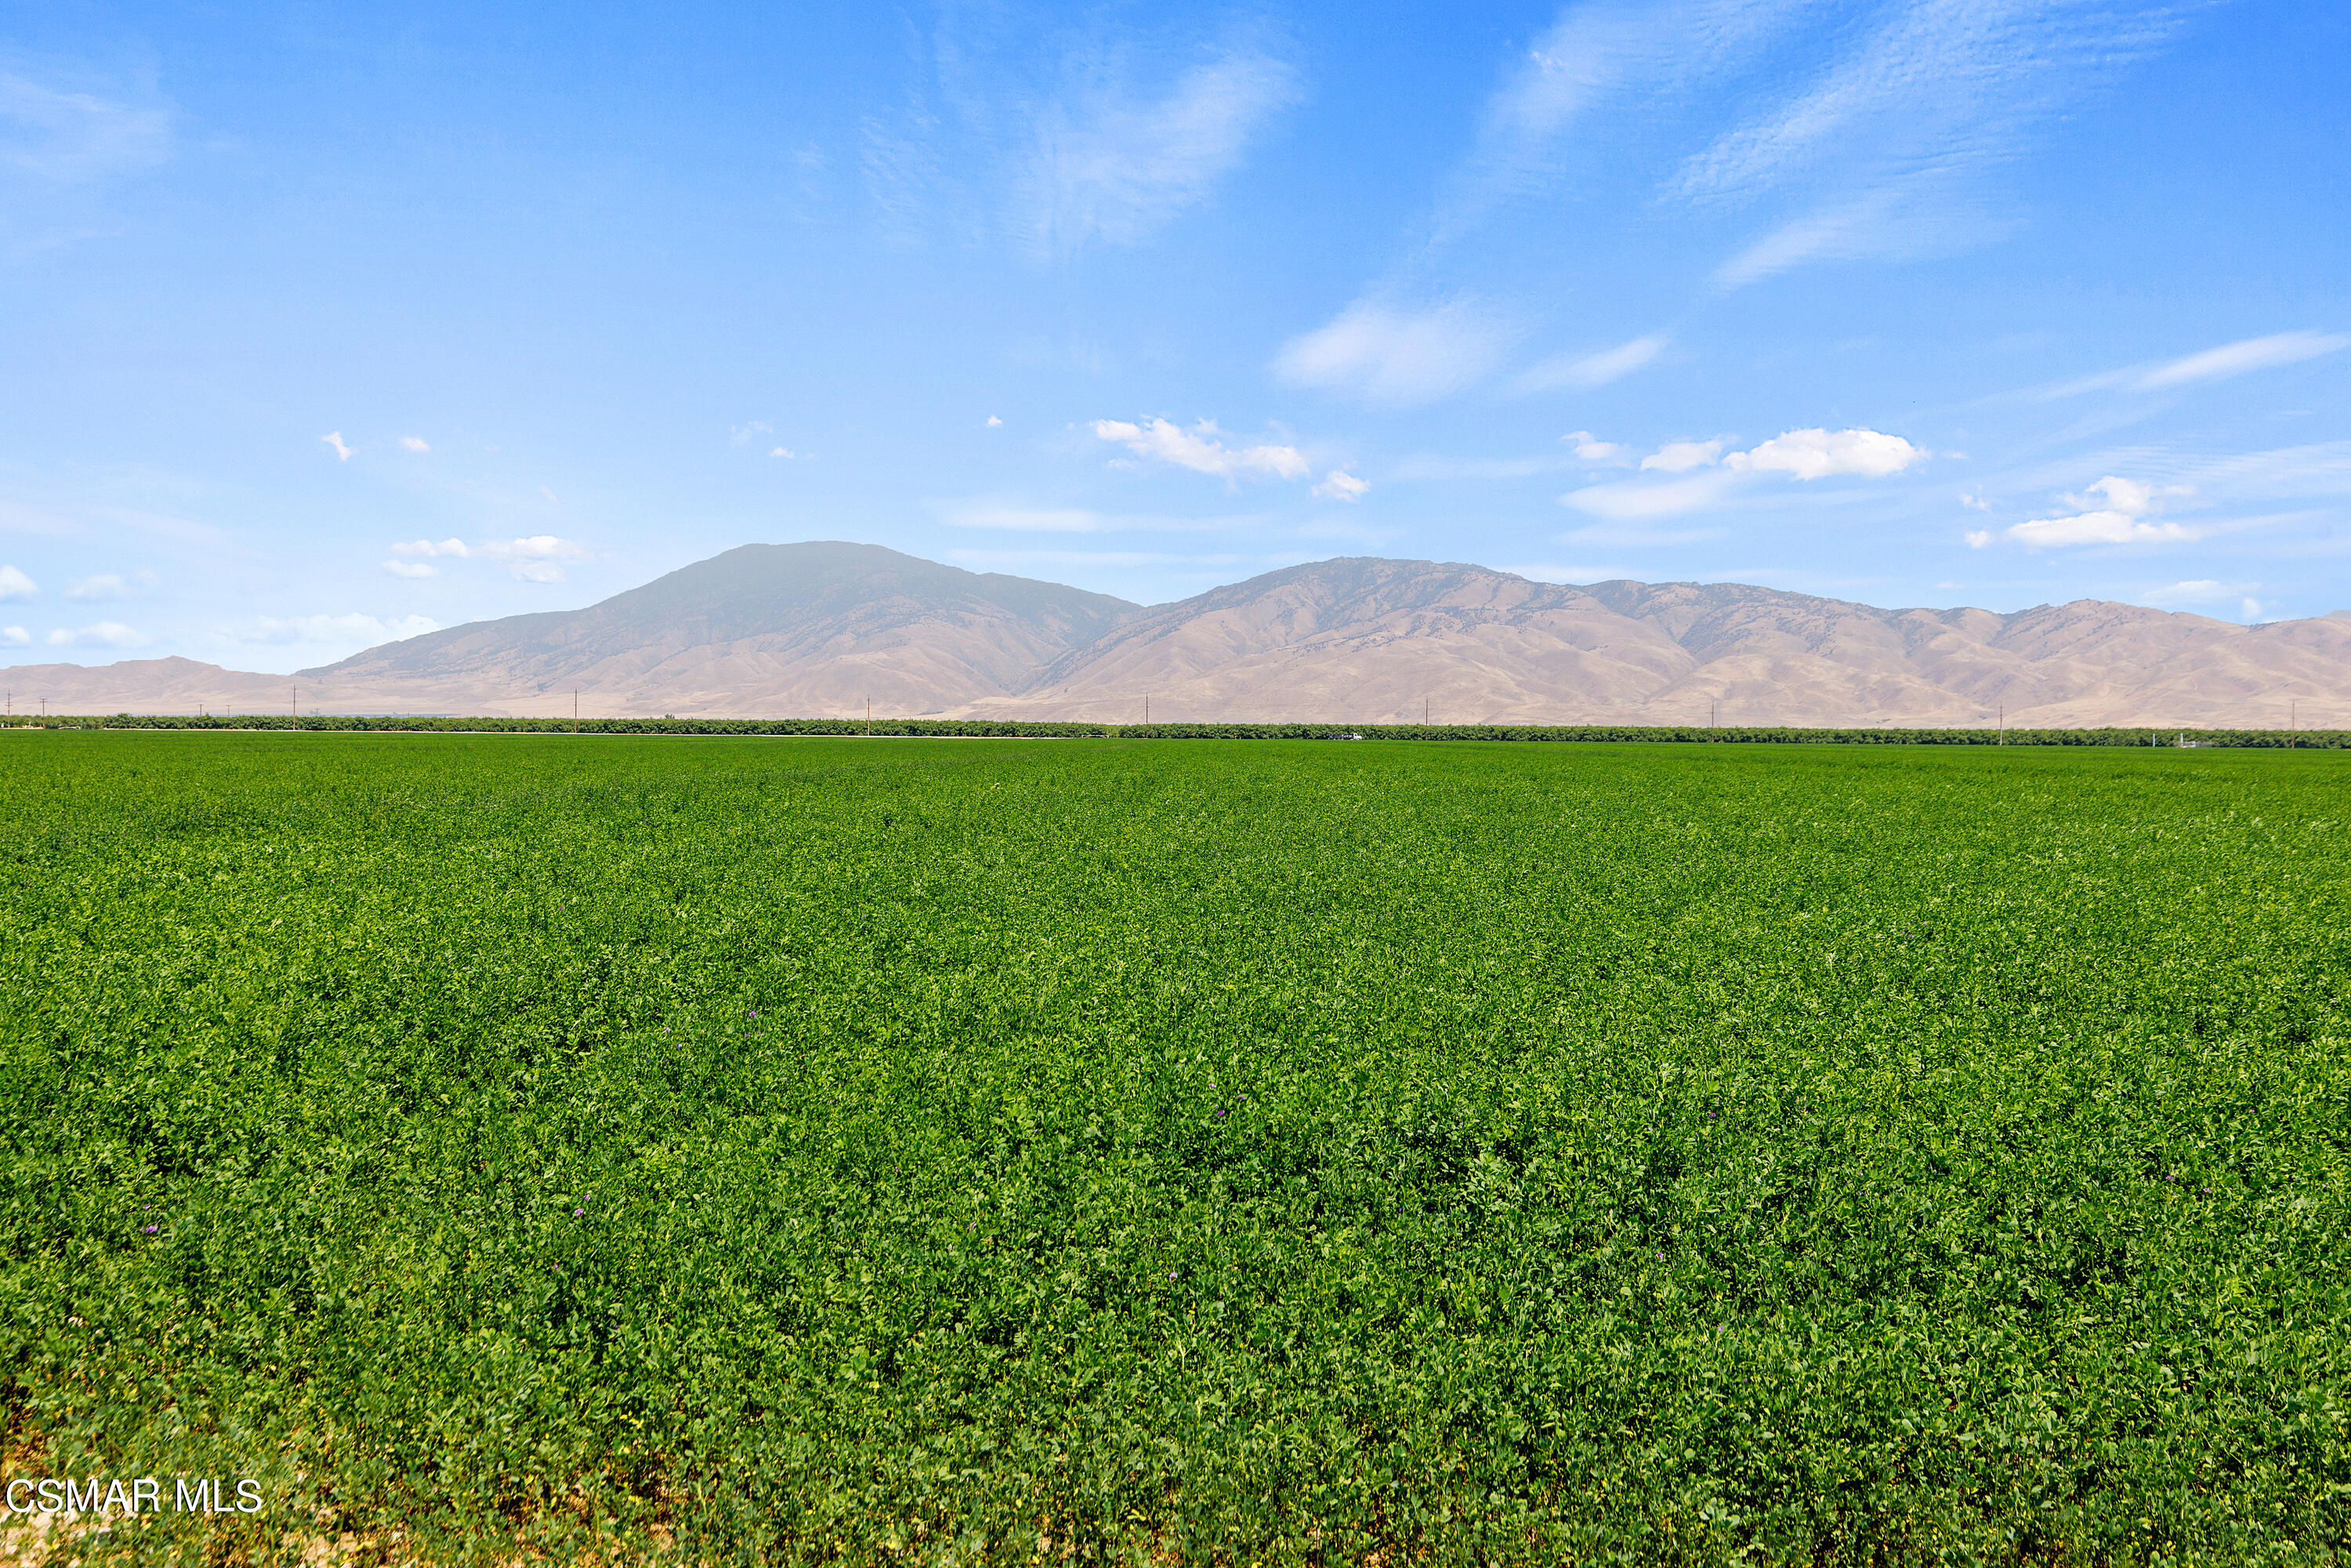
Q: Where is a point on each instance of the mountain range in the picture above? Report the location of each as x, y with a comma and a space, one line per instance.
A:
816, 630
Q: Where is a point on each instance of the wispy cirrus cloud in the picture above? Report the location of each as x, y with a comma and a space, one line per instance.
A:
1396, 357
1102, 140
1109, 162
1885, 153
1594, 370
64, 129
2221, 362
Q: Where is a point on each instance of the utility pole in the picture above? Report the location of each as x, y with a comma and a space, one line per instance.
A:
1714, 714
2003, 724
1147, 708
869, 718
1423, 713
298, 705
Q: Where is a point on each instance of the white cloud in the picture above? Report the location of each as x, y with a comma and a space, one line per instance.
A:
1111, 165
1036, 519
1634, 500
15, 636
1977, 537
112, 585
1590, 448
533, 560
744, 435
414, 444
1199, 450
1397, 359
994, 422
1591, 369
410, 569
1681, 456
1341, 486
1596, 54
1819, 453
2114, 511
1890, 149
14, 584
1974, 502
2239, 358
334, 438
103, 634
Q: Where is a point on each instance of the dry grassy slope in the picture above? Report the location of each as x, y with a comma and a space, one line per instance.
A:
1370, 641
814, 628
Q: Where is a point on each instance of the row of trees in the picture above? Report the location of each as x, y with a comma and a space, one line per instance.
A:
2329, 739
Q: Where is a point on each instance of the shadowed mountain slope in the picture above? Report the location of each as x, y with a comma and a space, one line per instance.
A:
798, 628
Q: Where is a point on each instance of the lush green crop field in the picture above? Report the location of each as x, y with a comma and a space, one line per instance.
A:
1182, 1151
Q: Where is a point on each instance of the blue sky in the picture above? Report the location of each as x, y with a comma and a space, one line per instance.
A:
328, 323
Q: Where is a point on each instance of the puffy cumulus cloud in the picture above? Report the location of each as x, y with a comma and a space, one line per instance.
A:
1681, 456
994, 422
537, 558
1819, 453
334, 438
1341, 486
1395, 359
1590, 448
2114, 511
414, 444
14, 637
14, 584
99, 635
786, 451
410, 569
1162, 441
352, 630
1591, 369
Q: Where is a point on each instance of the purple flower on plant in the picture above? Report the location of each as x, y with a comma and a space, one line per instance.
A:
152, 1229
578, 1212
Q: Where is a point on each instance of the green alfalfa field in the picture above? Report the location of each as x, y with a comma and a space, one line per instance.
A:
538, 1148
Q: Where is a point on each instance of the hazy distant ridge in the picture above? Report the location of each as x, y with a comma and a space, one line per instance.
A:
810, 629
